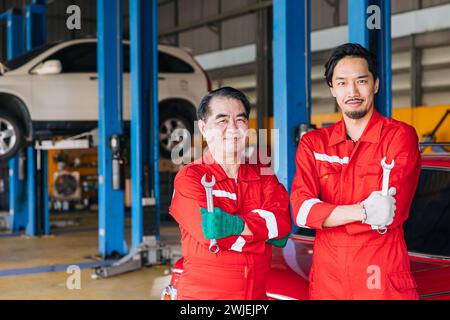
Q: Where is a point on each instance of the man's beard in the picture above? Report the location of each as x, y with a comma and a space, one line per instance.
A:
356, 115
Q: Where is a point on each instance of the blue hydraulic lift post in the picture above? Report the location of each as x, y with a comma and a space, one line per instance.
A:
357, 28
36, 24
31, 191
154, 133
36, 35
14, 26
46, 226
292, 69
18, 202
18, 205
144, 90
110, 122
376, 40
139, 86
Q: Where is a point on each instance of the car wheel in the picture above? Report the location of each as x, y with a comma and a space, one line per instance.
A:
11, 136
169, 123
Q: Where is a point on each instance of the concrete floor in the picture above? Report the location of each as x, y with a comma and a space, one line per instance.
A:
73, 245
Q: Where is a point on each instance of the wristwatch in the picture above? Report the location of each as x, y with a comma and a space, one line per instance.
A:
365, 213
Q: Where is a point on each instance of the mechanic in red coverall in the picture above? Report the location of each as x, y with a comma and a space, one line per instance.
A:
251, 209
359, 249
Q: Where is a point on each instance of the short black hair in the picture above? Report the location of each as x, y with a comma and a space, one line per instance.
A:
350, 50
225, 92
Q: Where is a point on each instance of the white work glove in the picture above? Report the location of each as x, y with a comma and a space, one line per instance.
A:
380, 210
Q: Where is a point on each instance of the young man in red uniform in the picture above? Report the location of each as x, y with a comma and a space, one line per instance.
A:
251, 209
359, 249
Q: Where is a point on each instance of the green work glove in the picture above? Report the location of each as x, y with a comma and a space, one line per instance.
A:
279, 243
220, 224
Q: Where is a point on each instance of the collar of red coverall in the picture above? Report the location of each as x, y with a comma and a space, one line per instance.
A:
247, 172
371, 134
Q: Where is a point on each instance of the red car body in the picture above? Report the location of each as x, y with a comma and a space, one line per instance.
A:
429, 258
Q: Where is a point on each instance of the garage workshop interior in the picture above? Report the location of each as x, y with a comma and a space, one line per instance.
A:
99, 109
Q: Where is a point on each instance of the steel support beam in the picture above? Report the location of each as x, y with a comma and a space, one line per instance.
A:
370, 26
144, 114
292, 69
416, 93
36, 24
28, 199
18, 202
31, 191
14, 32
264, 68
110, 122
37, 178
37, 195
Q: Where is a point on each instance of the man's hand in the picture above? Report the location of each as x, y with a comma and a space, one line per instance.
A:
220, 224
380, 210
279, 243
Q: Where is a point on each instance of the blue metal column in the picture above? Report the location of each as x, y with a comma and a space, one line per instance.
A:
144, 99
46, 213
376, 40
292, 69
18, 200
18, 205
23, 208
14, 25
36, 24
111, 202
357, 22
154, 133
139, 73
31, 191
36, 35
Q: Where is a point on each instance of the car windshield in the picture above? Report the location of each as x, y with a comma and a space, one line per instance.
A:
26, 57
428, 228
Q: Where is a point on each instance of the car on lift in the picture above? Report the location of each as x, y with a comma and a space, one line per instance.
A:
53, 90
427, 236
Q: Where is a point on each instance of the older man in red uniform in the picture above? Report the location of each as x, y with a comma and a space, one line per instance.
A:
251, 209
359, 249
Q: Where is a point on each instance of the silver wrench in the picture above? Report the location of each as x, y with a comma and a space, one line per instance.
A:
385, 184
386, 172
213, 246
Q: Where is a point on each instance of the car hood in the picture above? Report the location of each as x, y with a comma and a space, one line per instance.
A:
290, 268
432, 276
289, 274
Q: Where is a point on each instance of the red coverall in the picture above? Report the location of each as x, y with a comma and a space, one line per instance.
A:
241, 267
354, 261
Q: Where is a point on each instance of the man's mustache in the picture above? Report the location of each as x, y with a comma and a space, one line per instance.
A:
354, 100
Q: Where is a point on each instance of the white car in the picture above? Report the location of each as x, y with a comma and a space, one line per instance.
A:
53, 90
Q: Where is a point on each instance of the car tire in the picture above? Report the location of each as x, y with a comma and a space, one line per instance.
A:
169, 122
11, 136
